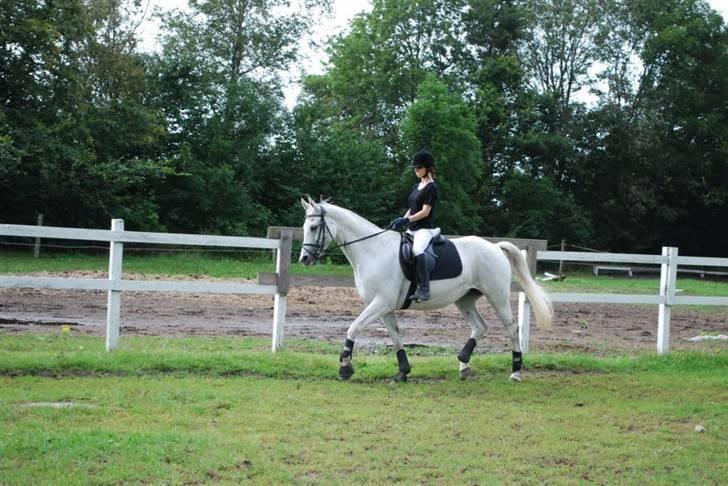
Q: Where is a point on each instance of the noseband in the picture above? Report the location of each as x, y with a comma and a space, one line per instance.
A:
319, 248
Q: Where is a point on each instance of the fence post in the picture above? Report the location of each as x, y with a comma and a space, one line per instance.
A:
113, 309
36, 248
668, 277
524, 316
283, 263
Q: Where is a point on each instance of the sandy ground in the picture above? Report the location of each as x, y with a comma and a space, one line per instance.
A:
325, 314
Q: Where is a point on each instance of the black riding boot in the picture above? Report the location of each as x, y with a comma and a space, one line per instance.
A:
423, 264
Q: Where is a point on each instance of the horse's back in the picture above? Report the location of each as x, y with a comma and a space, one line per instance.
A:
483, 262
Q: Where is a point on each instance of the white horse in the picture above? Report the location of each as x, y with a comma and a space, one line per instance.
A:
374, 255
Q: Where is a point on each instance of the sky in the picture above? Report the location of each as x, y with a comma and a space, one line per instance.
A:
314, 57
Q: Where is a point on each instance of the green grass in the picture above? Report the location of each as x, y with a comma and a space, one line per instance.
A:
302, 359
182, 263
225, 410
587, 282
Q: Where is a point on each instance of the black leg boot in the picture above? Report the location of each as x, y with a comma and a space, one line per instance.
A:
423, 264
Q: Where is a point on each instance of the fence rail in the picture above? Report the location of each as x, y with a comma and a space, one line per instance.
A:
666, 298
280, 239
115, 284
121, 236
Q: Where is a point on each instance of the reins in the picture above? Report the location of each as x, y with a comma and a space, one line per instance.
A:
320, 240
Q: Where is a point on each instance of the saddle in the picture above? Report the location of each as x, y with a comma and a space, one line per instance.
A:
447, 261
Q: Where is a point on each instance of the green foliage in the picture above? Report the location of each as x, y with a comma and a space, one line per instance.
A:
195, 137
444, 124
349, 168
374, 70
523, 198
687, 51
184, 263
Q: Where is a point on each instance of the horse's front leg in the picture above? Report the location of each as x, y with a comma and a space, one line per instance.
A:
375, 310
404, 367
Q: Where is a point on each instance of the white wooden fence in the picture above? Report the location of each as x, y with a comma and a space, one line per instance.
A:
665, 299
115, 284
278, 284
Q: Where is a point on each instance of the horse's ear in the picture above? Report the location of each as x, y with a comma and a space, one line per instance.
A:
305, 205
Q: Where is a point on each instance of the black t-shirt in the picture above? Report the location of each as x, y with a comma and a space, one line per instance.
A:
418, 198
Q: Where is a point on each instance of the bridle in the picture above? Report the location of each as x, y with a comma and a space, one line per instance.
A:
319, 248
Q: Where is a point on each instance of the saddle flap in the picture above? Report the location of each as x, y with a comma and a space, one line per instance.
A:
448, 263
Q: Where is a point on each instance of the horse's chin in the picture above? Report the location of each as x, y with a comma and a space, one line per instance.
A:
308, 261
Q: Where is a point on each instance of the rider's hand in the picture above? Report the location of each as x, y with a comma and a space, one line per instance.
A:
399, 224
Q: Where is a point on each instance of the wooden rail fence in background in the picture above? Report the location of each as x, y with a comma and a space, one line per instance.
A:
280, 239
115, 284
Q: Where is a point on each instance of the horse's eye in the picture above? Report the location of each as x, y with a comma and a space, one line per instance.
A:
314, 228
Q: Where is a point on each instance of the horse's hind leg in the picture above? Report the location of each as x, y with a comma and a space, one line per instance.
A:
466, 306
404, 368
502, 307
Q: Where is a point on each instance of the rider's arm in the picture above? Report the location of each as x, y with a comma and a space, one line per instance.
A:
421, 214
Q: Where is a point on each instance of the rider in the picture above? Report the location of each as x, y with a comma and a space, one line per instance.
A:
419, 220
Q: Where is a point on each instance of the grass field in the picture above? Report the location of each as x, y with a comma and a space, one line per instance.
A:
223, 410
182, 263
220, 410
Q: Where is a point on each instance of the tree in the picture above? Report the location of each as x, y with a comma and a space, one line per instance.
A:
442, 123
375, 69
77, 134
535, 208
683, 93
565, 40
217, 81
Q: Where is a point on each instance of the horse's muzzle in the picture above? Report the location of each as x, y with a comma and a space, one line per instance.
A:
307, 259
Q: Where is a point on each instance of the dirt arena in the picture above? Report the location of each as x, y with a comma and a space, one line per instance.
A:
325, 314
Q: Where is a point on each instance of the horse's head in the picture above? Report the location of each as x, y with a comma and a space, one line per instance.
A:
318, 232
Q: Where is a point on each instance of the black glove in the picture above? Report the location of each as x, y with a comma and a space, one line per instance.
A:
400, 224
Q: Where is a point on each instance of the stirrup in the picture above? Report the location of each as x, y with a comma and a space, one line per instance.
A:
420, 295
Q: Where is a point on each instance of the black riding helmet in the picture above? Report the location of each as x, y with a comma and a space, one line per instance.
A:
423, 158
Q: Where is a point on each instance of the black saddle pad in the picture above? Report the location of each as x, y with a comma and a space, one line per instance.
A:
448, 264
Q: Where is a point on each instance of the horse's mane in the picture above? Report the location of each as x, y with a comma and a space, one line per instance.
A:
362, 220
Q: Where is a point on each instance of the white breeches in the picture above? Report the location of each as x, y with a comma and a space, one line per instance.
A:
422, 239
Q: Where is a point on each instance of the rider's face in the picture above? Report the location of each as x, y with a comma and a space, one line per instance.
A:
420, 171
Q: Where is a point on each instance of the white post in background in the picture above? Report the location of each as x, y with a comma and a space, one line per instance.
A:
524, 316
36, 248
668, 278
113, 309
283, 262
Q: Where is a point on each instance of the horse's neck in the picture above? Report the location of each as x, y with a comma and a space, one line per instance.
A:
350, 226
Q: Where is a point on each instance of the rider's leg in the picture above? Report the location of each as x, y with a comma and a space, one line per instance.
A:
424, 263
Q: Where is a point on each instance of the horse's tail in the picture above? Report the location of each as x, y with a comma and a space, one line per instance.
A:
536, 294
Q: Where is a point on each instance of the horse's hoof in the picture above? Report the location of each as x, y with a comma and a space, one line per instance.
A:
400, 378
346, 372
516, 377
466, 373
